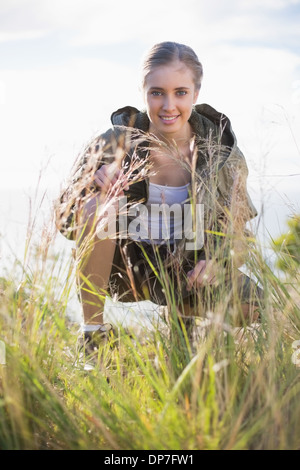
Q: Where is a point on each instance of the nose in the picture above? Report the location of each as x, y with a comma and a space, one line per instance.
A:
168, 104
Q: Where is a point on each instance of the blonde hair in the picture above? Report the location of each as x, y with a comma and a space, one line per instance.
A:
166, 52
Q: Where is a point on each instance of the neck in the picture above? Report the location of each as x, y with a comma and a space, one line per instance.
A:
181, 140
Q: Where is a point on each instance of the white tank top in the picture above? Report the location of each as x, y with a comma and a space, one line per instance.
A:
163, 220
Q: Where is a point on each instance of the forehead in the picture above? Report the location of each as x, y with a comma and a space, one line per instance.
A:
175, 74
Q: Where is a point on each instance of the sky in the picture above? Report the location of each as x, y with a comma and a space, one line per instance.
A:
66, 65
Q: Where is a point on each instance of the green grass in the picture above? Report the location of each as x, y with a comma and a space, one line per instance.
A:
233, 388
224, 387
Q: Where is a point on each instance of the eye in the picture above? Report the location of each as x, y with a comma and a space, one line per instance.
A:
181, 92
156, 93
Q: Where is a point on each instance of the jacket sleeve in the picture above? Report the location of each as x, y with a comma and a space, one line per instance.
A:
79, 185
236, 207
232, 187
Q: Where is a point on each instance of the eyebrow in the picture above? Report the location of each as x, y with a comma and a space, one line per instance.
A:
178, 88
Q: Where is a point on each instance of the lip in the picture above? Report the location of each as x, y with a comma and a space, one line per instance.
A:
169, 119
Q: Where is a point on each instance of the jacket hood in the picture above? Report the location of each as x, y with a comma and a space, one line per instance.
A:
205, 120
132, 117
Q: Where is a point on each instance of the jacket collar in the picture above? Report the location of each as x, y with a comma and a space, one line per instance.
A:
205, 121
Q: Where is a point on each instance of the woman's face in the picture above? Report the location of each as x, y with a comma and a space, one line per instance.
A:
169, 95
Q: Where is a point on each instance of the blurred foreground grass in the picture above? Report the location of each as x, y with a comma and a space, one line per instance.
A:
233, 388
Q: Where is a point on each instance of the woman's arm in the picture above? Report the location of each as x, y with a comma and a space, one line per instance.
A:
227, 240
83, 182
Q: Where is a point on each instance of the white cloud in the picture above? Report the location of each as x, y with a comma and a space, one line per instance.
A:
53, 112
95, 22
21, 35
2, 93
268, 4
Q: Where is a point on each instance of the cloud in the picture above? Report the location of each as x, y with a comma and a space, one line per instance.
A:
2, 92
88, 21
85, 23
268, 4
21, 35
54, 111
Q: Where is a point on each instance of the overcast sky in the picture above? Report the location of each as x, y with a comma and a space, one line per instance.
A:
66, 65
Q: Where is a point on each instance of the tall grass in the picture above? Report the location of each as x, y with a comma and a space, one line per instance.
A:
217, 386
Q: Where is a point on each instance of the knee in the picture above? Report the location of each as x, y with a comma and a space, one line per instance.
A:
250, 313
87, 217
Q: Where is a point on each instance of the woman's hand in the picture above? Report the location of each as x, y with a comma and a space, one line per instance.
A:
109, 178
203, 274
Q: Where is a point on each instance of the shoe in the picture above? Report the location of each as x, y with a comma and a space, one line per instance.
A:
89, 342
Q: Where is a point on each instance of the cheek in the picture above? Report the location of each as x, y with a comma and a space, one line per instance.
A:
151, 105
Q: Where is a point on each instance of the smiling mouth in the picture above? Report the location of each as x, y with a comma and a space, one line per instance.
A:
169, 119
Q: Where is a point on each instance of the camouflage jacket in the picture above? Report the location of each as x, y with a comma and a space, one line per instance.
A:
219, 169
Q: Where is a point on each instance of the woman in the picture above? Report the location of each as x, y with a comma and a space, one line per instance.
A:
173, 152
